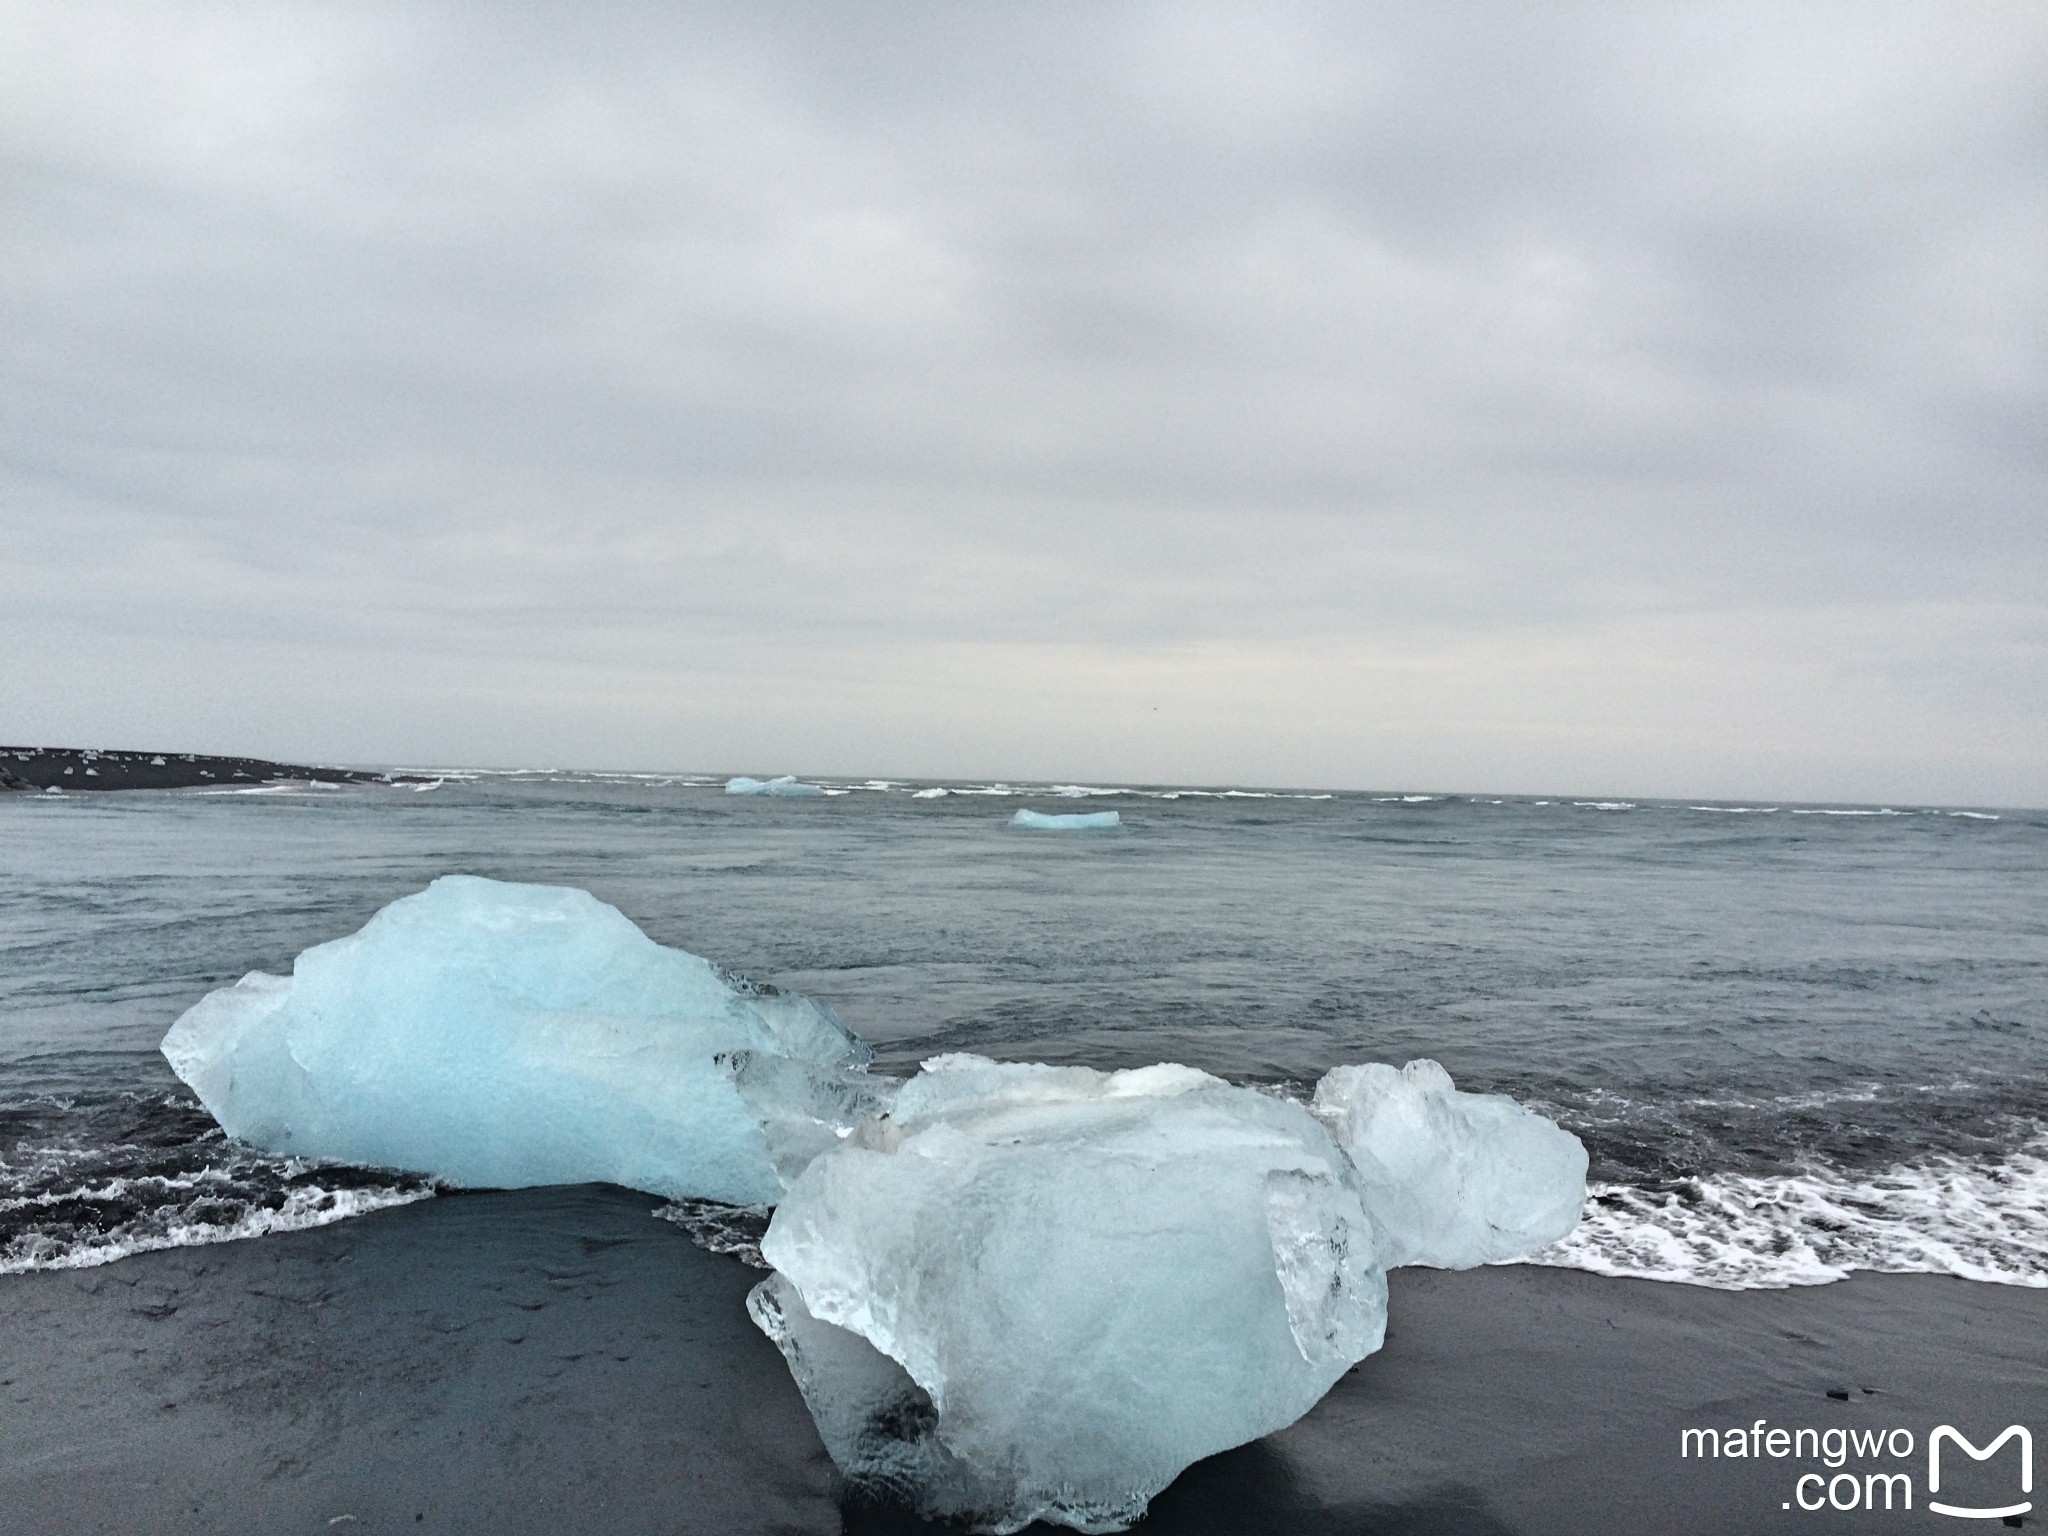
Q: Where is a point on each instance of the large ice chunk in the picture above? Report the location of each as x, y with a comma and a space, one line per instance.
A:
1454, 1179
788, 787
1074, 821
1036, 1292
505, 1035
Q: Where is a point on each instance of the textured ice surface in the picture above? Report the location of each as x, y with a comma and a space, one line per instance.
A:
1075, 821
508, 1035
1039, 1292
788, 787
1454, 1179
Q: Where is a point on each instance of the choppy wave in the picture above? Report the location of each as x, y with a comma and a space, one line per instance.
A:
203, 1215
87, 1183
1947, 1216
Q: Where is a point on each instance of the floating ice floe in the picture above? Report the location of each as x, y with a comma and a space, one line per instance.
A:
1077, 821
508, 1035
1040, 1292
788, 787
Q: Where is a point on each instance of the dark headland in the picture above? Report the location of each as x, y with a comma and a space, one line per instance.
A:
554, 1360
83, 768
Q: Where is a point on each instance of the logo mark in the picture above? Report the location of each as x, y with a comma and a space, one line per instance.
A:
1950, 1432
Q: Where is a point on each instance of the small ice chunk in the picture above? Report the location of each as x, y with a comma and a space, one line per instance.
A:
1079, 821
788, 787
1037, 1292
1454, 1179
507, 1035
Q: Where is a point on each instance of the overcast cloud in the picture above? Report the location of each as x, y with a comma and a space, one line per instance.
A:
1637, 399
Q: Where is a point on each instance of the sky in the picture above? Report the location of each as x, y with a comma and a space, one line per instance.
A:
1620, 399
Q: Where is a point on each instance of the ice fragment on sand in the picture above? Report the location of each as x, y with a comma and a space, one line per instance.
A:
508, 1035
1037, 1292
1079, 821
788, 787
1454, 1179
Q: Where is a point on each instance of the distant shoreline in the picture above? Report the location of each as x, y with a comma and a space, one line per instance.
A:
35, 769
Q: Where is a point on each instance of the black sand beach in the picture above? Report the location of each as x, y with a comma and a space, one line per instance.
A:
555, 1360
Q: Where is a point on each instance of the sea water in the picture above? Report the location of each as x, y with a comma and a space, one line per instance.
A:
1797, 1040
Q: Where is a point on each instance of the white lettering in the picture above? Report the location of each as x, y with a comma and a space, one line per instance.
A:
1835, 1447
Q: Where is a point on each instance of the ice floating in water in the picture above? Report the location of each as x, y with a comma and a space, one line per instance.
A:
1039, 1293
507, 1035
1454, 1179
1078, 821
788, 787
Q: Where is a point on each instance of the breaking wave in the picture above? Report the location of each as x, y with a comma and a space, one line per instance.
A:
1736, 1232
85, 1183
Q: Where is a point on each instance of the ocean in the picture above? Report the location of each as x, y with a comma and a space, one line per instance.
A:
1797, 1040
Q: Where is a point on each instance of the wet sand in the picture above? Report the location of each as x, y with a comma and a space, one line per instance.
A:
559, 1361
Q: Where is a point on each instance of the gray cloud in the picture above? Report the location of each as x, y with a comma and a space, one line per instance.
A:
1472, 396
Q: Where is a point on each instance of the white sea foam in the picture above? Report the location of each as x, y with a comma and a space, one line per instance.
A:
1883, 811
1975, 815
1737, 810
1734, 1232
934, 793
1605, 805
303, 1207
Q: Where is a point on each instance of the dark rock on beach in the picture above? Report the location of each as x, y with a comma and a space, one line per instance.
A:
83, 768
